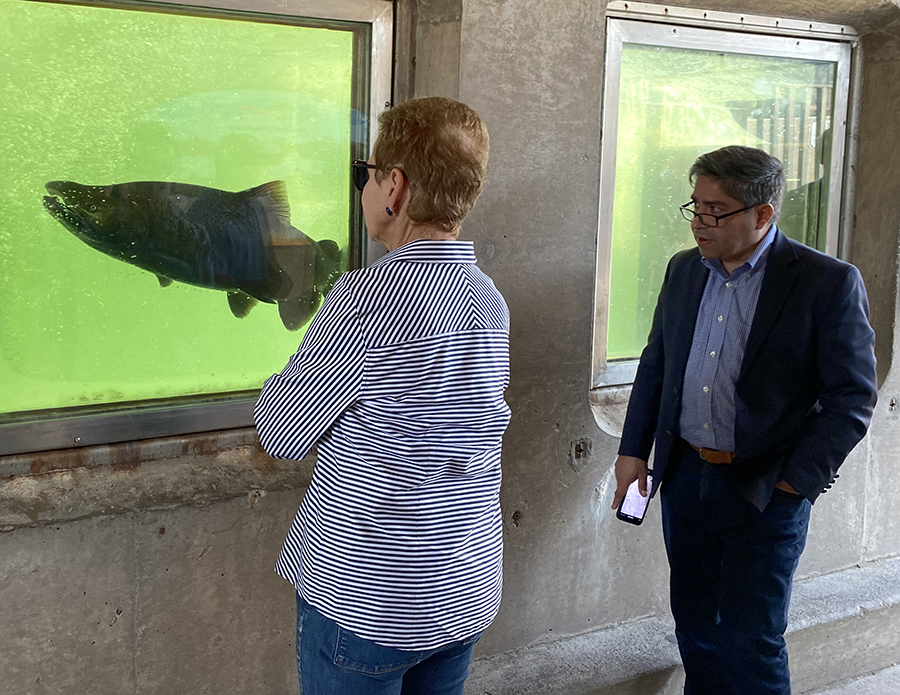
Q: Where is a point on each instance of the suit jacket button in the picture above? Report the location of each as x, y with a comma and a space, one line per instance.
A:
675, 390
669, 432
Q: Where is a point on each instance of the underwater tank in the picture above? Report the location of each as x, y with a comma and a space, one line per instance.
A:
176, 197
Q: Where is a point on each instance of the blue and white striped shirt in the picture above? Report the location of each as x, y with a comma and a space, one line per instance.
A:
717, 350
399, 381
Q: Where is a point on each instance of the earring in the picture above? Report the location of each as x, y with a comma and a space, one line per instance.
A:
388, 211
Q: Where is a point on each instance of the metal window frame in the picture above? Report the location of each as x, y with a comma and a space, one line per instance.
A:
674, 27
75, 427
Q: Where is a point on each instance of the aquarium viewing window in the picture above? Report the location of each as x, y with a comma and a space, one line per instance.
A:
685, 85
177, 200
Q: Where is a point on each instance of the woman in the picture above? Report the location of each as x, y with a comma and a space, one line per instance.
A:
396, 551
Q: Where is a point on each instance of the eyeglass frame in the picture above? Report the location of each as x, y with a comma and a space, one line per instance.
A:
684, 213
359, 172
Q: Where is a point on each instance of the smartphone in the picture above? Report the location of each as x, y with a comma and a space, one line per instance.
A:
633, 507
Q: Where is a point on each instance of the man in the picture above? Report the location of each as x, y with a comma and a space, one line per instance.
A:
757, 381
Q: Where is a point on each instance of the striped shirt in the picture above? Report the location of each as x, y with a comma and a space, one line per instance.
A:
399, 382
717, 350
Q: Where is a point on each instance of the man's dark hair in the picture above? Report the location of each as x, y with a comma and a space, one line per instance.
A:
745, 173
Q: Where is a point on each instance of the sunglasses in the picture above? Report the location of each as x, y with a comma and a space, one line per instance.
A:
360, 170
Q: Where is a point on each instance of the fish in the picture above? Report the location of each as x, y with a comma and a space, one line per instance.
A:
239, 242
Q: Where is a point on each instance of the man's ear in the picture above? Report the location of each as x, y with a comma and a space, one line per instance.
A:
764, 214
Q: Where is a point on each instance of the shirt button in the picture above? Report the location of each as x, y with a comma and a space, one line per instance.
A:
706, 389
706, 425
720, 318
727, 284
712, 354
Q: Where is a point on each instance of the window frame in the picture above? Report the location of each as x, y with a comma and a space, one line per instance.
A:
67, 428
666, 26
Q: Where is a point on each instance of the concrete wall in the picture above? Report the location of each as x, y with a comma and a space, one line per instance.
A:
570, 565
146, 567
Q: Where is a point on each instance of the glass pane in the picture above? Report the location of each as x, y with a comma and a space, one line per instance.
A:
161, 173
674, 105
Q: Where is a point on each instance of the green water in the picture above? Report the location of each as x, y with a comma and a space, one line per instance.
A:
103, 96
676, 104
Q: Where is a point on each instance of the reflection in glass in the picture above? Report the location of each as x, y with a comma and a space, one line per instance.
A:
674, 105
211, 153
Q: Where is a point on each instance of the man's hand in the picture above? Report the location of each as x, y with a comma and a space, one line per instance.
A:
629, 469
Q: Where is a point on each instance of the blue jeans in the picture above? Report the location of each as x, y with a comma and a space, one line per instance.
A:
731, 568
334, 661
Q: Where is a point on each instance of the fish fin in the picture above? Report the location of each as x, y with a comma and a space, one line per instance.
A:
296, 312
240, 303
164, 281
276, 194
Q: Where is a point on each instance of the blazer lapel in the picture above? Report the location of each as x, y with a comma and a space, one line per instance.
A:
690, 308
776, 285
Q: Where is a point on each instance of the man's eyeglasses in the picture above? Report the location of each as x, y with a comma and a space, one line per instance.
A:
706, 219
360, 169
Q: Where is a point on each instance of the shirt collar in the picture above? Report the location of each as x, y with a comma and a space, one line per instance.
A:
756, 258
431, 251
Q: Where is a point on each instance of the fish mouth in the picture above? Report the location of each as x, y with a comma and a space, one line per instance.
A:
57, 188
69, 216
55, 206
72, 202
56, 203
85, 198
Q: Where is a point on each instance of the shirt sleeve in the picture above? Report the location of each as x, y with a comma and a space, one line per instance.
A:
297, 406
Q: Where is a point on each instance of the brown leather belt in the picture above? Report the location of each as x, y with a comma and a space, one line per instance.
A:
713, 455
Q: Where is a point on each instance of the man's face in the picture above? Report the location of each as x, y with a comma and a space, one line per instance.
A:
734, 239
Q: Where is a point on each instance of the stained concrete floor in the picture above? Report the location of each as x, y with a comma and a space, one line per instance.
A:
885, 682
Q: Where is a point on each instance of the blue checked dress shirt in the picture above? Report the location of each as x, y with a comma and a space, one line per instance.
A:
717, 350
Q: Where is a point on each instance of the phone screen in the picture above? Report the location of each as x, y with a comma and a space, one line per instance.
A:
633, 507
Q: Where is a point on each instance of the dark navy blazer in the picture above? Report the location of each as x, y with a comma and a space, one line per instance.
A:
807, 384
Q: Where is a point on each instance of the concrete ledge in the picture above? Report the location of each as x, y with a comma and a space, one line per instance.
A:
52, 487
602, 661
843, 625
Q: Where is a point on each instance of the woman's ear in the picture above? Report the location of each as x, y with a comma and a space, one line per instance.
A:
397, 188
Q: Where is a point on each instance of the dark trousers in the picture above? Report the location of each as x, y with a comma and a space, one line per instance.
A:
731, 568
